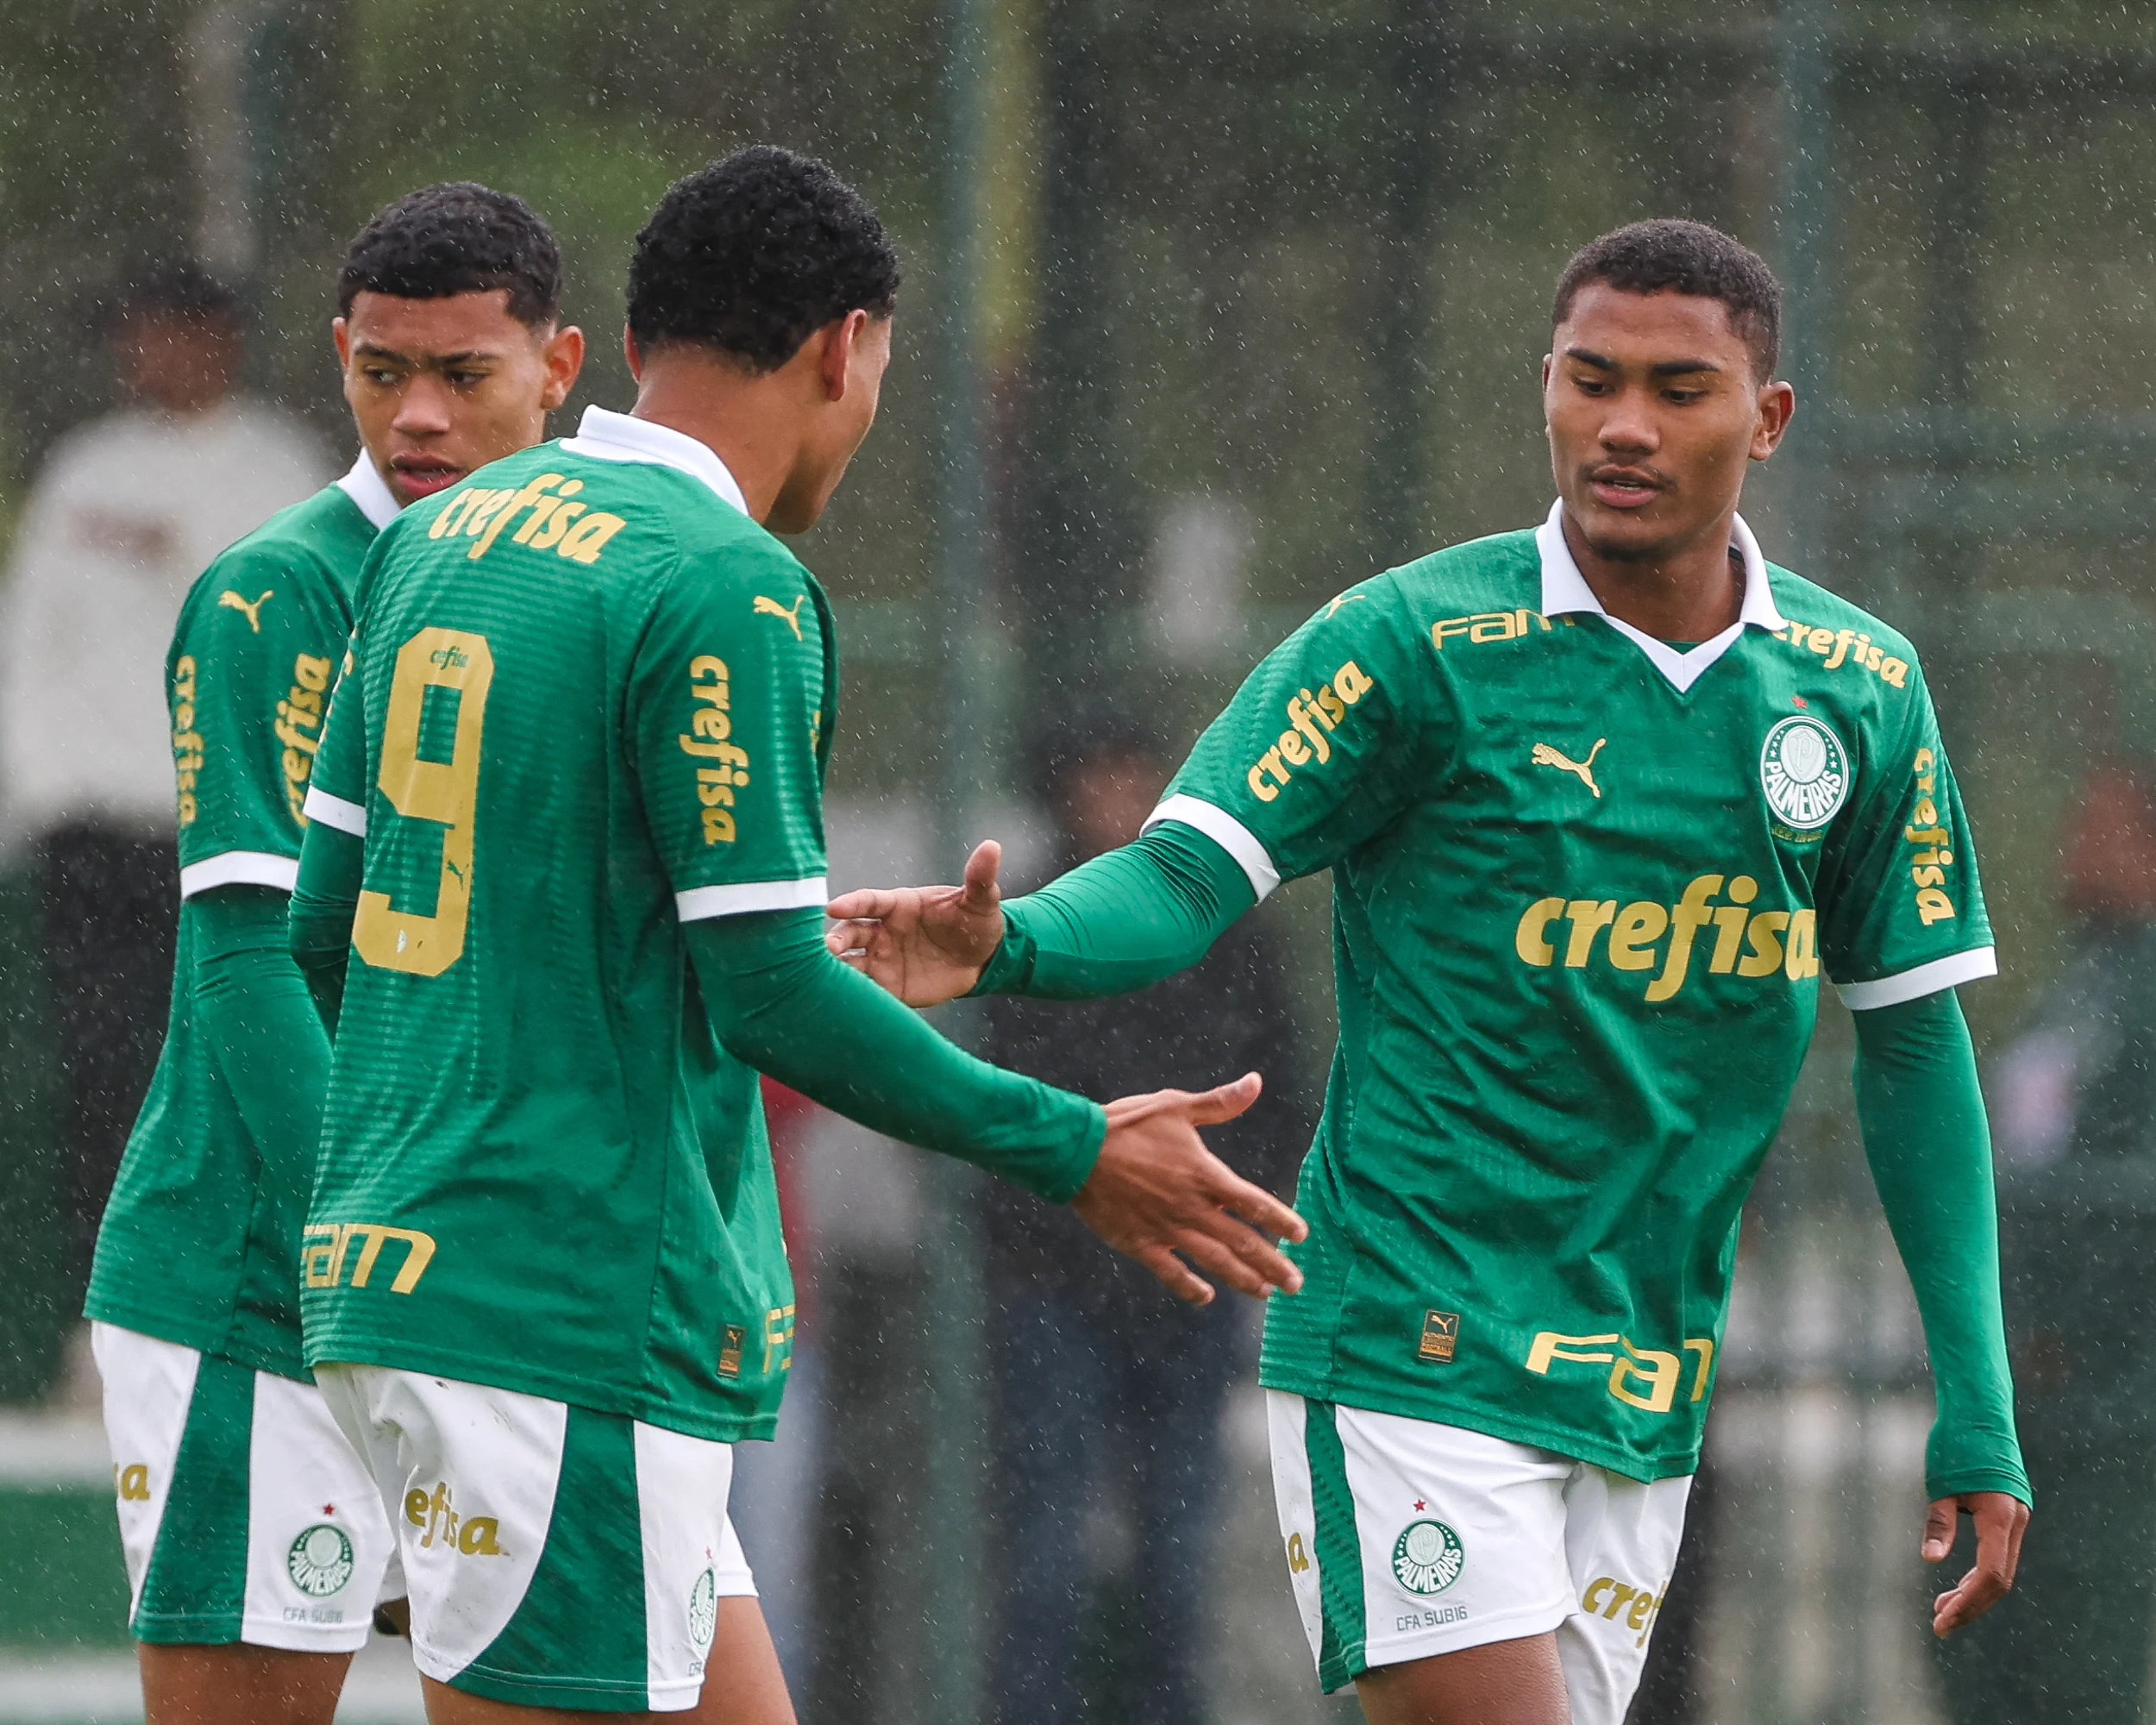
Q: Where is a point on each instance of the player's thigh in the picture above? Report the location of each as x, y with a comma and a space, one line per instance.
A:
245, 1515
1407, 1539
558, 1559
1622, 1538
1519, 1682
238, 1686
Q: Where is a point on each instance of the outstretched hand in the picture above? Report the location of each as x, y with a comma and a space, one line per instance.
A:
2000, 1520
924, 944
1157, 1191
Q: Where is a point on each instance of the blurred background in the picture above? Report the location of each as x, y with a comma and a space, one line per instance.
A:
1212, 309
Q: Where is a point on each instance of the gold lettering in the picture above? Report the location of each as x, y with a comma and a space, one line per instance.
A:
1660, 1370
557, 524
1619, 1593
583, 543
1691, 916
719, 826
1531, 940
1587, 919
1351, 683
1633, 936
544, 508
1291, 746
1934, 905
532, 491
1591, 1601
1896, 671
1549, 1345
1256, 778
1704, 1347
477, 1537
1802, 959
1729, 924
1766, 956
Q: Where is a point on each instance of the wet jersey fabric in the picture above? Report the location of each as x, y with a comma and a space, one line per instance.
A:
198, 1247
1584, 884
589, 700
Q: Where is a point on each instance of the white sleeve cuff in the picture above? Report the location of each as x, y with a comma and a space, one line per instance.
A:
701, 902
239, 869
1925, 979
335, 812
1227, 832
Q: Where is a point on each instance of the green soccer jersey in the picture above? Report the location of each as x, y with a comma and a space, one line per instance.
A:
1584, 883
196, 1246
589, 701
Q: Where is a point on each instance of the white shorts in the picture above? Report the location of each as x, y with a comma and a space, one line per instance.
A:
244, 1513
1407, 1539
556, 1557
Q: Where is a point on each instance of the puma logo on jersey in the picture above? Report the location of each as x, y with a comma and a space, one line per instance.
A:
1545, 756
1332, 606
249, 609
771, 607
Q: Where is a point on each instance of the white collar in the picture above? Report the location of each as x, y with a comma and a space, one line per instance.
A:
367, 487
1565, 589
603, 435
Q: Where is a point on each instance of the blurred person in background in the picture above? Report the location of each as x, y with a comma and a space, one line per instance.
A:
127, 511
2075, 1096
1109, 1393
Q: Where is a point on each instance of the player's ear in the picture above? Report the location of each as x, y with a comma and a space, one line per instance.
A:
341, 339
632, 353
834, 362
564, 355
1777, 406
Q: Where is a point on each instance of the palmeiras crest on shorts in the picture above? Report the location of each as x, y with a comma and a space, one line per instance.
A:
704, 1608
1428, 1556
320, 1560
1804, 770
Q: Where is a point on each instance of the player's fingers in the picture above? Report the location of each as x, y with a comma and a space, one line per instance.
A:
1176, 1276
1257, 1207
981, 875
1939, 1530
1229, 1252
1223, 1102
868, 904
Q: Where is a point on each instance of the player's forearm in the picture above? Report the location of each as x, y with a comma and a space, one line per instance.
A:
269, 1044
780, 1002
1930, 1149
322, 904
1122, 921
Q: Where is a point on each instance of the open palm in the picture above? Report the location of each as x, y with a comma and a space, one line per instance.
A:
924, 944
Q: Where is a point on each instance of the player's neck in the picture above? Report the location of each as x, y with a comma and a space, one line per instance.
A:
748, 421
1692, 593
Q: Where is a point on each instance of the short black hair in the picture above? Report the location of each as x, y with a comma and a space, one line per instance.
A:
182, 290
1687, 257
457, 237
753, 254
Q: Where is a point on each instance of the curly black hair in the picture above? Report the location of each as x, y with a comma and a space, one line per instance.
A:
1690, 257
457, 237
753, 254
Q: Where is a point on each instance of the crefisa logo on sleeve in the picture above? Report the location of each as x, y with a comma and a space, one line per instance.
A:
1804, 771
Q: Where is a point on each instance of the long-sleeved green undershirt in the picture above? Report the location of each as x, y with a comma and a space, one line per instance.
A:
1127, 918
780, 1003
252, 1004
1929, 1145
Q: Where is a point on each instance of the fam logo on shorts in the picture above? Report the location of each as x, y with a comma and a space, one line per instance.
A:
320, 1560
1804, 770
704, 1608
1428, 1556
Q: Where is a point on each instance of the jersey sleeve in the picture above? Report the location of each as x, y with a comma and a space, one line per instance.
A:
249, 682
727, 710
336, 795
1312, 756
1901, 909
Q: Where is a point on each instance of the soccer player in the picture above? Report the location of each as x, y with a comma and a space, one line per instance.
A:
1599, 800
256, 1546
567, 847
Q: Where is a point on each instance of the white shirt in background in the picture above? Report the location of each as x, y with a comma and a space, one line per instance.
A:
128, 510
